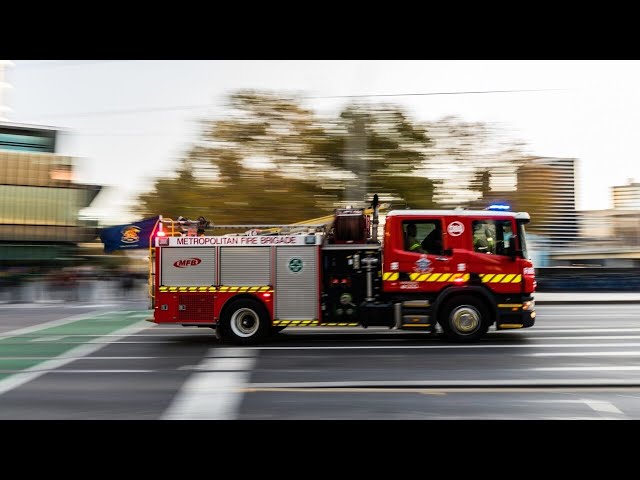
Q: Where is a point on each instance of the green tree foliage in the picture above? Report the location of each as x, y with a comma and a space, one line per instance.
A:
270, 160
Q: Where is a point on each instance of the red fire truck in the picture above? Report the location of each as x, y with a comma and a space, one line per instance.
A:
464, 270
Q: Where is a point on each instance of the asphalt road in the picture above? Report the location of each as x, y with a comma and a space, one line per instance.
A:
107, 362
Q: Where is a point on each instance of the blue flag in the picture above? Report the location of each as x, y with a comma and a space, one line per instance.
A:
132, 235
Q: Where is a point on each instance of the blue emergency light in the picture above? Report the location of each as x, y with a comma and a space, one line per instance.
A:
499, 207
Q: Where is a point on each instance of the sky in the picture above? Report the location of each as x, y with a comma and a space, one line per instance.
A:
131, 121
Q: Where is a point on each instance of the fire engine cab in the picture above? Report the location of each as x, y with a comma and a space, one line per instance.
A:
464, 270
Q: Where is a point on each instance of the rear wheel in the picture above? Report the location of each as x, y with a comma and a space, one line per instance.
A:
244, 322
464, 318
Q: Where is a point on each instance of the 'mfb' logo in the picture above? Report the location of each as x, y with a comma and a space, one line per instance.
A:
188, 262
455, 229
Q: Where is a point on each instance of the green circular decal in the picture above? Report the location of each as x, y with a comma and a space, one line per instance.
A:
295, 265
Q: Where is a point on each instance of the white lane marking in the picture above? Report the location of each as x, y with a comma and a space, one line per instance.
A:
84, 358
433, 347
50, 338
584, 354
582, 330
138, 335
602, 406
221, 364
566, 383
620, 368
584, 315
589, 337
213, 395
52, 323
43, 306
83, 350
102, 371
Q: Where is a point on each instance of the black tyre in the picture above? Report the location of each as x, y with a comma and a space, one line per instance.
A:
244, 322
464, 318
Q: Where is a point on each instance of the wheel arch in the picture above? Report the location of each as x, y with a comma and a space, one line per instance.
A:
244, 296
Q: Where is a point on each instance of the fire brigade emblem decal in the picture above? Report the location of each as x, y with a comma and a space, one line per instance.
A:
130, 234
295, 265
423, 265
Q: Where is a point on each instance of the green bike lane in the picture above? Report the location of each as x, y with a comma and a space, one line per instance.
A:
28, 353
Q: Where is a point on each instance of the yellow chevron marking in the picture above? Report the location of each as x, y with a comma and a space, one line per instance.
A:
497, 278
518, 279
423, 277
413, 276
386, 275
444, 277
510, 325
486, 277
264, 289
253, 289
508, 278
434, 277
465, 277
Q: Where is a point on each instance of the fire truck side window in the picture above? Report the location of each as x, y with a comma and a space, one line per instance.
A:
492, 236
423, 236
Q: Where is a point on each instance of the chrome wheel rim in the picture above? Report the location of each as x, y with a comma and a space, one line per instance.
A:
245, 322
465, 319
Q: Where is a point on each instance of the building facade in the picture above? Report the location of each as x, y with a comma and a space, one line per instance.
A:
626, 197
547, 190
39, 200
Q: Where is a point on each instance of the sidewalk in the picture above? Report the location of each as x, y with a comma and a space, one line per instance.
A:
557, 298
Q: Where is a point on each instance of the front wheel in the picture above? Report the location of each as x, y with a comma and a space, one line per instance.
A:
464, 319
244, 322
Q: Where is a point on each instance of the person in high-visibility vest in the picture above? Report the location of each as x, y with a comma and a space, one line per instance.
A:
413, 245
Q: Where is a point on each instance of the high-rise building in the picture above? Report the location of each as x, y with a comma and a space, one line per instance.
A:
626, 197
39, 200
547, 190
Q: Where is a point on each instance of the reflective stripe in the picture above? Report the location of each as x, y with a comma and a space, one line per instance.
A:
215, 289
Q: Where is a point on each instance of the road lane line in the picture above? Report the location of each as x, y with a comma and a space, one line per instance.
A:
447, 347
18, 379
52, 323
602, 406
50, 338
589, 337
583, 354
216, 394
618, 368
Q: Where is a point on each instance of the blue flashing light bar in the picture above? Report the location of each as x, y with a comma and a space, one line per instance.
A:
499, 207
